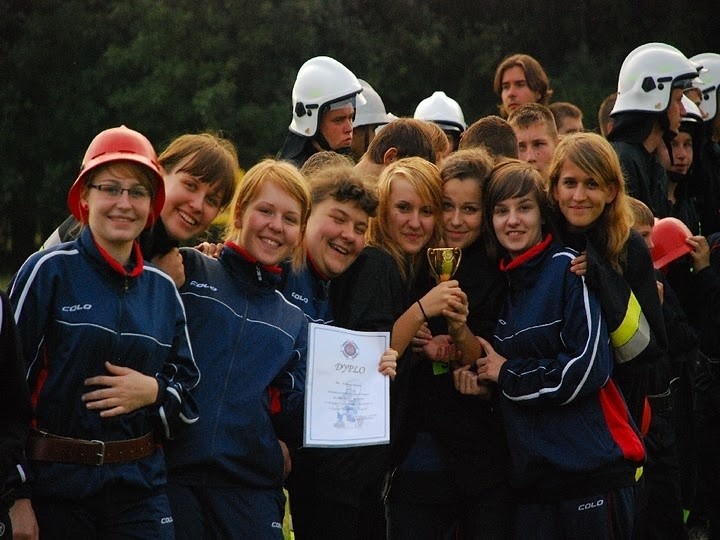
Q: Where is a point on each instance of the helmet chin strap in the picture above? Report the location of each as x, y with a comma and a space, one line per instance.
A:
320, 140
667, 135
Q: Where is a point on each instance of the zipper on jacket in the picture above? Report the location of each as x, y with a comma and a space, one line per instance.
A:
257, 270
115, 356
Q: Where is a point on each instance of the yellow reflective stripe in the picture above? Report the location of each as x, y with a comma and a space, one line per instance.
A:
637, 343
638, 473
629, 325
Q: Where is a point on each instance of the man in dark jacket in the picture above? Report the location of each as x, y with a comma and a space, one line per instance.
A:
646, 115
324, 99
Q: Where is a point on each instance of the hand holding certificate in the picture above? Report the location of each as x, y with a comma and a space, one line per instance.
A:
347, 400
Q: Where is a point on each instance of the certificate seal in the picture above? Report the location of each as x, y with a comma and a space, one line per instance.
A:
350, 349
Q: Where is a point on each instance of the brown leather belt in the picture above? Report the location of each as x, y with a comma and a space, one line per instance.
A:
42, 446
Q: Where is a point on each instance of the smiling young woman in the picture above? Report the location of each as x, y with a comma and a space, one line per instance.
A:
443, 485
110, 364
226, 475
334, 492
587, 188
573, 470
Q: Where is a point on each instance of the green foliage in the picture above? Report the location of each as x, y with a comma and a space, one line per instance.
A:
71, 68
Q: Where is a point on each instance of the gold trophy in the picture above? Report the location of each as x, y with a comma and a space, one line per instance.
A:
444, 262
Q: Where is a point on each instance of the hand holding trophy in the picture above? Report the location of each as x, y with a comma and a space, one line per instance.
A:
444, 262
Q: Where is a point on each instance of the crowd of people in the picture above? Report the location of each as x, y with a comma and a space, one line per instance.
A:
564, 383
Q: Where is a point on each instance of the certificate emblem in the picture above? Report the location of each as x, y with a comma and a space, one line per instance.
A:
349, 349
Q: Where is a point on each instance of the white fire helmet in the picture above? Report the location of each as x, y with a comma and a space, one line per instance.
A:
321, 81
373, 111
710, 76
648, 76
442, 110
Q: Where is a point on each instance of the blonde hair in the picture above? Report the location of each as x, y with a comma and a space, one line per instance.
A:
283, 174
596, 157
641, 212
424, 177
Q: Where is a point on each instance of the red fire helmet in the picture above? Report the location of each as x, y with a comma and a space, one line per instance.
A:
118, 144
668, 236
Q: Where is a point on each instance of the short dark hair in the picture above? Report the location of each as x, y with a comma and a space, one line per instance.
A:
493, 134
322, 159
604, 111
469, 163
531, 113
511, 178
213, 161
344, 184
564, 109
407, 135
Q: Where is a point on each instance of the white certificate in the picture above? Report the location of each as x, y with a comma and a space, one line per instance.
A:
347, 400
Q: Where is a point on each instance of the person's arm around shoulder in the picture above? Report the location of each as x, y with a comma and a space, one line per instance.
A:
179, 376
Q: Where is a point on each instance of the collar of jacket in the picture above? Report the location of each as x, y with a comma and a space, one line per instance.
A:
156, 240
103, 258
537, 249
239, 259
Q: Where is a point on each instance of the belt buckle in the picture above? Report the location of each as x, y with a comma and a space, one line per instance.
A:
101, 453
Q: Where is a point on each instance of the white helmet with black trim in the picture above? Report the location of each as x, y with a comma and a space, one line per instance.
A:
373, 112
321, 82
648, 76
710, 76
442, 110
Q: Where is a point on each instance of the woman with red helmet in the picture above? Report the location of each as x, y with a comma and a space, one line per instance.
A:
109, 362
200, 172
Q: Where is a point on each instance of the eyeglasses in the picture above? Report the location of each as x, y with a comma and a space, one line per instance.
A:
113, 191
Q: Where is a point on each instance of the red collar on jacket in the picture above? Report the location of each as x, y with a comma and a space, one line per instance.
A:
119, 268
526, 255
245, 254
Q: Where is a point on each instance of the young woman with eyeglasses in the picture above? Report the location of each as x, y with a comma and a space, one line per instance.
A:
109, 362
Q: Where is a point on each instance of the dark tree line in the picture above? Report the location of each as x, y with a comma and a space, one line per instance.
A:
71, 68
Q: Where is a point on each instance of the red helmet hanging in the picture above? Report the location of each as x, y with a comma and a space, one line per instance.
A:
668, 236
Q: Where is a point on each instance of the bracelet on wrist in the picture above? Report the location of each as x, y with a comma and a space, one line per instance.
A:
422, 310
